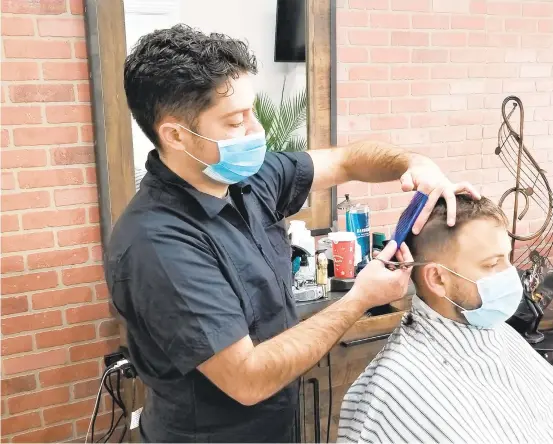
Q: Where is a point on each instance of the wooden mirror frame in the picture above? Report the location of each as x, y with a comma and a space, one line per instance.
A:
113, 145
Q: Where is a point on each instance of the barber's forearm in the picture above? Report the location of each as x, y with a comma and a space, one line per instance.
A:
277, 362
370, 161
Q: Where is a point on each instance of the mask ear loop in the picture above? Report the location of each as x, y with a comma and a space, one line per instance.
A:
462, 277
202, 137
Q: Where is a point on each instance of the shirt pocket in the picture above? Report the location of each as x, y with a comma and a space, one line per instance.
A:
282, 250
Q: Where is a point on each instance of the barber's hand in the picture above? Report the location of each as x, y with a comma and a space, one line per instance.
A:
380, 286
425, 176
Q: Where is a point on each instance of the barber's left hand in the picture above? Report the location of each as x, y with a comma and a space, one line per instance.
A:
425, 176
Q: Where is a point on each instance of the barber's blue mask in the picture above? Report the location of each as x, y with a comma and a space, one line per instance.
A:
239, 158
500, 293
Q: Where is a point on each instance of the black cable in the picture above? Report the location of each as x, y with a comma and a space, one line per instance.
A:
107, 373
329, 400
109, 389
108, 436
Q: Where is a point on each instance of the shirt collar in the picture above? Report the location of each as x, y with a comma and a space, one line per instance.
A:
211, 205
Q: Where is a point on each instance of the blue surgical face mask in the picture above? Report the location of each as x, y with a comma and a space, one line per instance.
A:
500, 293
239, 158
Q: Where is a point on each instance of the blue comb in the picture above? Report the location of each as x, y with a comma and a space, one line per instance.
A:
408, 218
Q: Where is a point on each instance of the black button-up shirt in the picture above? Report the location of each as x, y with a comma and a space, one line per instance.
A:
192, 274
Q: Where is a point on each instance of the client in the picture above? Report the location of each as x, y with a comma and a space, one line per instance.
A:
454, 371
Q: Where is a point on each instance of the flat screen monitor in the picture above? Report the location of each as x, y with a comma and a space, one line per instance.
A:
290, 31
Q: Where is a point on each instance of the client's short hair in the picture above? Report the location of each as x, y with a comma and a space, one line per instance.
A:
437, 238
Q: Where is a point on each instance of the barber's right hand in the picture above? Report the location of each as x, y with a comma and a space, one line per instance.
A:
375, 285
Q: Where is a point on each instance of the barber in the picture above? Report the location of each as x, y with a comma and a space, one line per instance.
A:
199, 263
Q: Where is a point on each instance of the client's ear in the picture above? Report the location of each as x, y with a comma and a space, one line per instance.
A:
434, 278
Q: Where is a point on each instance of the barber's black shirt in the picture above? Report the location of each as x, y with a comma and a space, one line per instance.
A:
192, 274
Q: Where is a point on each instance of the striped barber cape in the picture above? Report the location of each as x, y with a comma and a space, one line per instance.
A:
437, 380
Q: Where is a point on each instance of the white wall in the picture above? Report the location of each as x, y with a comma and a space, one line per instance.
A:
250, 20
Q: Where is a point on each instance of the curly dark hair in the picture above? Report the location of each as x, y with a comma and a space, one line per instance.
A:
176, 71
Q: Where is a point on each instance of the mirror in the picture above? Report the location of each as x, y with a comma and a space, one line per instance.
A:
275, 31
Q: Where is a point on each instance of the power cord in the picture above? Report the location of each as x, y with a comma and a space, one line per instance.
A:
120, 367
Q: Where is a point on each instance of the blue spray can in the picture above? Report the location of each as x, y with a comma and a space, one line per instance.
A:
358, 221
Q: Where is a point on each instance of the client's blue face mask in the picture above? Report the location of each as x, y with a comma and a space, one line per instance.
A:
500, 293
239, 158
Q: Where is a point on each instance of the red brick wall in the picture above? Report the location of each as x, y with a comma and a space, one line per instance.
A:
430, 75
56, 322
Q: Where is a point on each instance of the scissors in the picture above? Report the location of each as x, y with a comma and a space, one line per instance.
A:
392, 265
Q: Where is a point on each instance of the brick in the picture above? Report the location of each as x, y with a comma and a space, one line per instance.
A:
448, 103
34, 7
411, 5
503, 40
535, 71
65, 70
25, 200
368, 37
23, 159
430, 21
449, 72
355, 90
545, 26
401, 201
454, 134
79, 236
389, 20
77, 7
352, 18
41, 93
14, 305
545, 56
34, 361
543, 114
450, 164
13, 424
18, 344
80, 49
101, 291
362, 73
69, 373
410, 72
352, 55
464, 148
65, 336
86, 389
87, 133
50, 178
25, 242
53, 218
493, 71
390, 55
12, 264
521, 56
57, 258
83, 93
410, 137
390, 89
369, 107
429, 56
57, 433
465, 118
90, 174
10, 222
79, 275
521, 25
5, 138
468, 22
103, 421
409, 105
385, 217
111, 327
536, 129
519, 85
58, 298
19, 384
449, 38
387, 123
368, 4
504, 8
473, 162
429, 88
428, 120
537, 9
407, 38
20, 115
68, 114
75, 196
19, 71
29, 322
17, 26
29, 282
43, 398
93, 215
45, 136
68, 411
468, 87
36, 49
457, 6
536, 41
8, 181
73, 155
61, 27
93, 350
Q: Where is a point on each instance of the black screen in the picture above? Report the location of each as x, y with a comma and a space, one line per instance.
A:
290, 31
